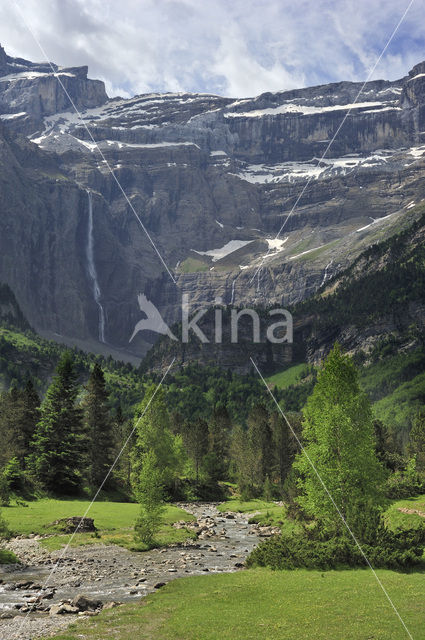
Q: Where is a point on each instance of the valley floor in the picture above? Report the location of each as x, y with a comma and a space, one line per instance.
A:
259, 604
211, 599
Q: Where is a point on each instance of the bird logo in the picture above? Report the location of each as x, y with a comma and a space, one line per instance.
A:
153, 320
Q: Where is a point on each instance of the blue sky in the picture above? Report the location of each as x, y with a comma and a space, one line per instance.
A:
230, 47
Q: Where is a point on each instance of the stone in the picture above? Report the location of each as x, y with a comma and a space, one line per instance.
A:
158, 585
69, 525
6, 615
82, 603
111, 605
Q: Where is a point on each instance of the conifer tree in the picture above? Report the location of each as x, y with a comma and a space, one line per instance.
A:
260, 436
98, 429
219, 442
417, 441
19, 413
195, 439
56, 460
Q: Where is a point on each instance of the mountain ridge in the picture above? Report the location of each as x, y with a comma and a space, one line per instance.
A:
202, 172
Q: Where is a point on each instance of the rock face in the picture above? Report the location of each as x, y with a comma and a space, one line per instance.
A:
211, 180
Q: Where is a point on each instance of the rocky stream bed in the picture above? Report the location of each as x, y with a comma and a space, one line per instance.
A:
35, 602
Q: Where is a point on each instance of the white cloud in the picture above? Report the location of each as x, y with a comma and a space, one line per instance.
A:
237, 48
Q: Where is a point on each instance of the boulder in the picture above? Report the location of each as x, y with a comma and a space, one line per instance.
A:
82, 603
69, 525
158, 585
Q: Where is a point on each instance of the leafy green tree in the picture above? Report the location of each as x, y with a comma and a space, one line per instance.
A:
339, 441
150, 495
98, 428
122, 430
57, 459
153, 435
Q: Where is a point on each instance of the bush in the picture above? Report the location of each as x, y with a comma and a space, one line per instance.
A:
400, 550
7, 557
5, 532
15, 477
406, 483
4, 491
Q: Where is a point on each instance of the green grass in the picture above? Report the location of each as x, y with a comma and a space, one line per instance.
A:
288, 377
396, 519
7, 557
192, 265
114, 520
260, 604
309, 257
19, 339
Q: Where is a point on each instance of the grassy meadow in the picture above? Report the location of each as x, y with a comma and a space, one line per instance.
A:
114, 521
268, 605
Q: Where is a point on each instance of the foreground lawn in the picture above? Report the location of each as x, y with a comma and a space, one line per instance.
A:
268, 605
114, 521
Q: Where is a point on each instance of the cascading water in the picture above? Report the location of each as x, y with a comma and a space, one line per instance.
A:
232, 298
92, 270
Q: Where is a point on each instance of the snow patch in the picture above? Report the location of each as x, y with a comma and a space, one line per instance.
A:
12, 116
227, 249
303, 109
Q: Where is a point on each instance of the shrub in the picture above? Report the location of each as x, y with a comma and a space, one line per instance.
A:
4, 491
7, 557
399, 550
406, 483
5, 532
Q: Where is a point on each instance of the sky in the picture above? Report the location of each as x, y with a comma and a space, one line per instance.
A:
236, 48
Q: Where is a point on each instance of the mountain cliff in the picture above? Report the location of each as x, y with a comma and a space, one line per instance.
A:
211, 179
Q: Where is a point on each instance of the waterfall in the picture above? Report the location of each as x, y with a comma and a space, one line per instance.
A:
325, 275
92, 270
232, 298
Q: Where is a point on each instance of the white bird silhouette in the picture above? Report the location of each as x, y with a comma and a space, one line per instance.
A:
153, 321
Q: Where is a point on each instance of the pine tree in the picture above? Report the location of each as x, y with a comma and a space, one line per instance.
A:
260, 436
340, 443
247, 462
19, 413
195, 439
56, 460
284, 444
98, 428
219, 430
29, 415
417, 441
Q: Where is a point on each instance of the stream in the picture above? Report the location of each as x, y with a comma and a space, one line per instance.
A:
113, 574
